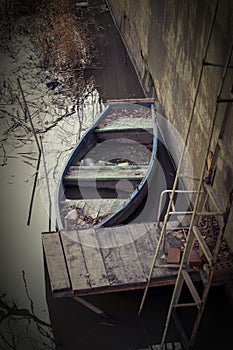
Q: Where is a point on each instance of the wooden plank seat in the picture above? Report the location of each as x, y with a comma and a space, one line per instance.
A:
125, 123
103, 175
126, 129
126, 135
59, 278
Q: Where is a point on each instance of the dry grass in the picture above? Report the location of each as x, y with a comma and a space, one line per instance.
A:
62, 41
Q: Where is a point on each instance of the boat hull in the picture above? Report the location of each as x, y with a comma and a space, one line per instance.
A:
107, 176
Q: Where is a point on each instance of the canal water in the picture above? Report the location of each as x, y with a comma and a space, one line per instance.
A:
24, 281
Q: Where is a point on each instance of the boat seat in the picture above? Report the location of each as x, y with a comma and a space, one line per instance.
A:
125, 135
103, 175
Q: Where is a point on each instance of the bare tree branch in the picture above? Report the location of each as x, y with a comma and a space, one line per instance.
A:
7, 311
27, 292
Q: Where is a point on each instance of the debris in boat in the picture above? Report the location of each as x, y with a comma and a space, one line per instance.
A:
70, 218
123, 164
53, 84
87, 161
126, 118
82, 4
75, 217
104, 162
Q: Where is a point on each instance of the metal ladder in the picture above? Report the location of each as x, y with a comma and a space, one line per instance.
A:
194, 234
204, 191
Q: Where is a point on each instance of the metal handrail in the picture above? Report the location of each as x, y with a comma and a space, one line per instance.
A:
170, 191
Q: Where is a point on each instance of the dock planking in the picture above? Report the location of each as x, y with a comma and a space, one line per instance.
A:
145, 250
75, 260
103, 260
111, 257
93, 259
129, 256
54, 256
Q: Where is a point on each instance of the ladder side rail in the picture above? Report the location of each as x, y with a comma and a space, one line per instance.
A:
207, 287
181, 159
190, 235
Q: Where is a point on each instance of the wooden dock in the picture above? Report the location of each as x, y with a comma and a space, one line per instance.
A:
103, 260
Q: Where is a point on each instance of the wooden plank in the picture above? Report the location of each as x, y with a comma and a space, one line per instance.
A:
111, 257
139, 233
58, 274
126, 135
127, 123
128, 254
133, 100
153, 234
75, 260
101, 173
90, 306
93, 258
140, 230
91, 184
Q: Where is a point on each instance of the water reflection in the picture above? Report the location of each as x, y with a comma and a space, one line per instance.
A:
21, 248
59, 142
60, 122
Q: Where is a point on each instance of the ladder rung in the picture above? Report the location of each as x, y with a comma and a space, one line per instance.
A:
186, 176
214, 198
203, 244
180, 212
192, 288
180, 327
210, 213
184, 305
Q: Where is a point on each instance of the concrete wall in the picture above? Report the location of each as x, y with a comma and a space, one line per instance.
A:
166, 40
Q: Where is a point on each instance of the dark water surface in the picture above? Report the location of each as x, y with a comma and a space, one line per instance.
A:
74, 326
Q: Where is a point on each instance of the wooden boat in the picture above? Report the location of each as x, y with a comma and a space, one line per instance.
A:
107, 175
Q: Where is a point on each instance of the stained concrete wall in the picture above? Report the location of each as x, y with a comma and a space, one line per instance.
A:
166, 40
